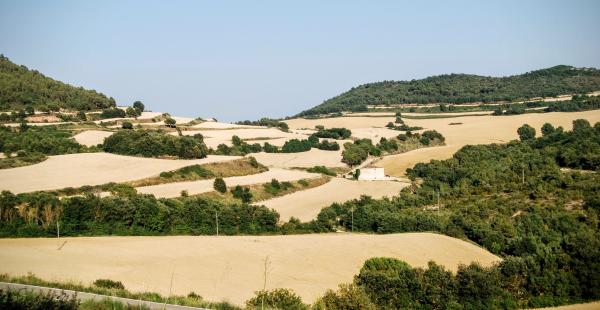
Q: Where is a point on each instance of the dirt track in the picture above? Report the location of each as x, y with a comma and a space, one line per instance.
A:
229, 268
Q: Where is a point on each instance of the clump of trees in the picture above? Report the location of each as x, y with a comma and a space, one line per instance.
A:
268, 122
219, 185
333, 133
152, 144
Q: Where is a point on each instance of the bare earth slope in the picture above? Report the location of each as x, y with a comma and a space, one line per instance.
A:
476, 130
75, 170
196, 187
231, 267
306, 205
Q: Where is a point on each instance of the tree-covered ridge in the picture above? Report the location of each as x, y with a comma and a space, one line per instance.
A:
462, 88
21, 87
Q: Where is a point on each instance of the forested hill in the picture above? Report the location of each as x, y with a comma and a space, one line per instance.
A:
462, 88
21, 87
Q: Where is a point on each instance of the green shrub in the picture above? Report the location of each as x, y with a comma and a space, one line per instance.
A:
280, 299
219, 185
110, 284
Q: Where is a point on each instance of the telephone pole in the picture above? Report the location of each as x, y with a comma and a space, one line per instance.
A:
217, 221
352, 213
57, 230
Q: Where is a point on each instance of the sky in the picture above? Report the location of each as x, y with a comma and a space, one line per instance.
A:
237, 60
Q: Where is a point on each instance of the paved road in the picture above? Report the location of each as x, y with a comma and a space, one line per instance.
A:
90, 296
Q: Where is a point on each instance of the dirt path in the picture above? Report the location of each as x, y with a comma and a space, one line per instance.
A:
228, 268
75, 170
306, 205
197, 187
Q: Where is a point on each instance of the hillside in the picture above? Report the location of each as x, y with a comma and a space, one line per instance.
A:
462, 88
21, 87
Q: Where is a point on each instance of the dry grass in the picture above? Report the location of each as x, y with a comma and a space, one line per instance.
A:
170, 190
92, 137
314, 157
233, 168
230, 267
75, 170
351, 122
259, 192
306, 205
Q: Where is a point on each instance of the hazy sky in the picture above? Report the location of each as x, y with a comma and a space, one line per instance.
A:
246, 59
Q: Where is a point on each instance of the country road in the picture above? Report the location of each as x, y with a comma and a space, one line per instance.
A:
83, 296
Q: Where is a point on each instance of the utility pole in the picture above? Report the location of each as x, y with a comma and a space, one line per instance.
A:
438, 199
352, 212
57, 230
523, 174
217, 221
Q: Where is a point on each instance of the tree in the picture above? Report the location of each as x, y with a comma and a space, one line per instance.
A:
581, 125
30, 110
53, 107
138, 105
280, 298
242, 193
219, 185
127, 125
526, 132
235, 140
170, 122
131, 112
81, 115
547, 129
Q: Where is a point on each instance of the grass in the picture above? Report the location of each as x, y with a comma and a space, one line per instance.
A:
238, 167
436, 116
265, 191
192, 299
22, 159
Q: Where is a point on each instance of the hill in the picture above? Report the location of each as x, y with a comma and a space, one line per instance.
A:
21, 87
463, 88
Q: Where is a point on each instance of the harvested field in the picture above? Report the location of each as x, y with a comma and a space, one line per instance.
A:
197, 187
75, 170
219, 125
306, 205
213, 138
314, 157
375, 134
350, 122
476, 130
91, 137
229, 268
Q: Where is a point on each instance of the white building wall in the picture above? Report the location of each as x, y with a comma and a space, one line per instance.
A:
371, 174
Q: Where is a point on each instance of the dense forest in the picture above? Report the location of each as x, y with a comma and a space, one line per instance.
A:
462, 88
21, 87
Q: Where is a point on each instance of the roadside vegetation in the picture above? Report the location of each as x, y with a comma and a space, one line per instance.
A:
266, 122
99, 287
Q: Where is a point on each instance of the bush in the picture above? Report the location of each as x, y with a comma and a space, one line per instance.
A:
334, 133
526, 132
110, 284
219, 185
296, 146
16, 300
322, 170
127, 125
281, 299
242, 193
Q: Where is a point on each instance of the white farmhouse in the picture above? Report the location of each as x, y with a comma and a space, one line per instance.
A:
372, 174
